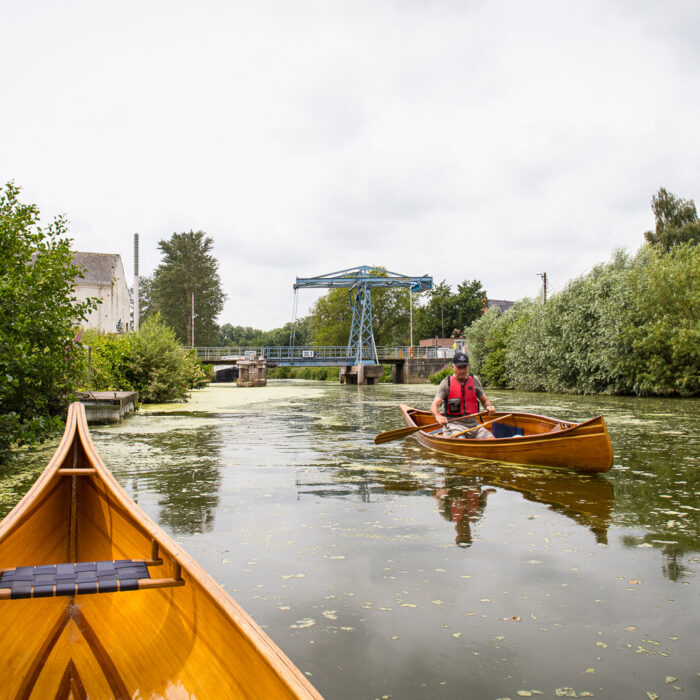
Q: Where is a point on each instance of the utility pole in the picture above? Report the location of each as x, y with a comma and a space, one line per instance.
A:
410, 305
543, 275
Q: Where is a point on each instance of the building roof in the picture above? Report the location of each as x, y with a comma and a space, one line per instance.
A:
500, 303
99, 268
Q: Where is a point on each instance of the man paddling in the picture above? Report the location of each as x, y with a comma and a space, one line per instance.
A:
461, 394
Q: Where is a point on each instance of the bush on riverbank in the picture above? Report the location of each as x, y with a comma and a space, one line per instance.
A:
322, 374
631, 326
39, 351
150, 361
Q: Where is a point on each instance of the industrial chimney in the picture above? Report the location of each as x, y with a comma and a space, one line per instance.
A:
136, 281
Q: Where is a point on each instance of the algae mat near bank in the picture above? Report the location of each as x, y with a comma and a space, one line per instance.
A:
393, 572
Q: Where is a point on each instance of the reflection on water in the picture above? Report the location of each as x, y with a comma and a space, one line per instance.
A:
395, 571
463, 505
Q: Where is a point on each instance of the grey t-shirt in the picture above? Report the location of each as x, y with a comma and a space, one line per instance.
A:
444, 389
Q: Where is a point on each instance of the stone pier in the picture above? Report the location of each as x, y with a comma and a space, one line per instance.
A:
361, 374
252, 372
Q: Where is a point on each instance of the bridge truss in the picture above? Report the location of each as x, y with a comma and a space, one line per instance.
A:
359, 282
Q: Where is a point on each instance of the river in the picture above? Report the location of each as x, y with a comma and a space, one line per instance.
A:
392, 571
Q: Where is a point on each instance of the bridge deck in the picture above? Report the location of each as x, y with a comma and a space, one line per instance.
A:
322, 356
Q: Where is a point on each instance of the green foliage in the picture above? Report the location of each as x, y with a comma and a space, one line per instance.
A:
676, 221
487, 341
245, 336
439, 376
446, 313
188, 268
386, 375
151, 362
108, 361
662, 322
39, 351
316, 373
631, 326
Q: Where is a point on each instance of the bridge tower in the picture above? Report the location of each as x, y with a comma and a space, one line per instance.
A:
359, 282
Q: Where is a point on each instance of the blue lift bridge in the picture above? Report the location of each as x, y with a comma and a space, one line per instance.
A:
361, 349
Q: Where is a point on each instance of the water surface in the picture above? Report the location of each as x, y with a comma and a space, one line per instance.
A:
392, 571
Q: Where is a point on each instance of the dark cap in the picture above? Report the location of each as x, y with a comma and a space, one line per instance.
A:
460, 358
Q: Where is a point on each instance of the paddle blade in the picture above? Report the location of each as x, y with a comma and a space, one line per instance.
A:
399, 433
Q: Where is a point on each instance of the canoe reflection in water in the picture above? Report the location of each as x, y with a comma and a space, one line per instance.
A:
588, 500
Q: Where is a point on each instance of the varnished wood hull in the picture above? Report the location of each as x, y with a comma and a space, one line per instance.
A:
188, 638
583, 447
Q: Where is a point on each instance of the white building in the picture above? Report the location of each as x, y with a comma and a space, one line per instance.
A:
104, 278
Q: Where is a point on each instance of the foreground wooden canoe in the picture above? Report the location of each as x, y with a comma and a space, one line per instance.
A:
534, 440
96, 601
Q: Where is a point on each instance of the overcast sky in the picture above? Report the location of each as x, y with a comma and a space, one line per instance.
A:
485, 140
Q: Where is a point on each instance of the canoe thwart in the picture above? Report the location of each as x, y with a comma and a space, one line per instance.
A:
81, 578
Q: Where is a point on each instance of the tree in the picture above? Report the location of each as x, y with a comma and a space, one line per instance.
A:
252, 337
39, 345
676, 221
445, 312
331, 317
188, 268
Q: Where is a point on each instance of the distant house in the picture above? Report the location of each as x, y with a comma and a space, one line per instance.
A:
501, 305
104, 278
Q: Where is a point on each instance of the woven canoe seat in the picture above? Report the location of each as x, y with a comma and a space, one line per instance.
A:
73, 579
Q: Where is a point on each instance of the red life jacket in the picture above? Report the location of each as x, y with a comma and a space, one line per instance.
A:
468, 403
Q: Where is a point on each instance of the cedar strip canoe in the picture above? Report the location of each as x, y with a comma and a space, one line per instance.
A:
534, 440
97, 601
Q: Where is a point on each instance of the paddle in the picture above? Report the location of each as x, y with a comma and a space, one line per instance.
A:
399, 433
481, 425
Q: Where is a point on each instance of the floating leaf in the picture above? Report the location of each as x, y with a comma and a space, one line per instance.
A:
589, 670
457, 635
288, 576
303, 624
670, 679
437, 602
330, 614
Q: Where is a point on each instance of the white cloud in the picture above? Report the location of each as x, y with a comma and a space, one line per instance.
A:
475, 140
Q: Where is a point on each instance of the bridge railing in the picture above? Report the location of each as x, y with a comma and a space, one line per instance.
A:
305, 352
328, 352
230, 352
406, 352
